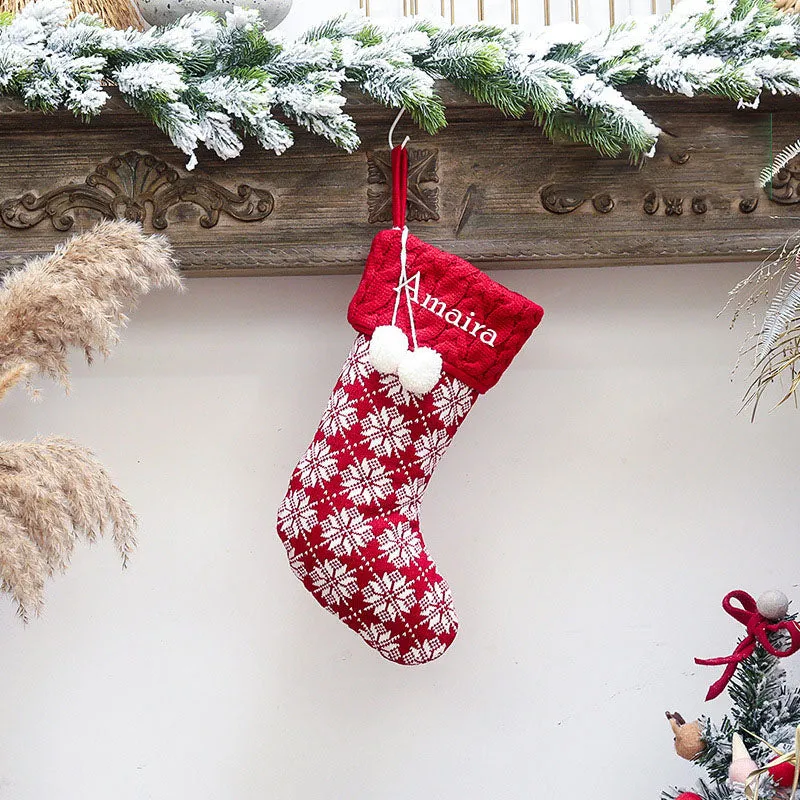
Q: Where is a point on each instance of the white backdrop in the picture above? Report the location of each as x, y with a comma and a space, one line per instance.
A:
590, 515
592, 13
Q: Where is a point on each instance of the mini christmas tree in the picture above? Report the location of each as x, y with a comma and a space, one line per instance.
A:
763, 721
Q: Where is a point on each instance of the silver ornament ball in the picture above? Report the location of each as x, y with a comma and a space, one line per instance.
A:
165, 12
773, 605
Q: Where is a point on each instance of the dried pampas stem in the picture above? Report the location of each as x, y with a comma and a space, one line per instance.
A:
11, 377
77, 297
52, 493
116, 13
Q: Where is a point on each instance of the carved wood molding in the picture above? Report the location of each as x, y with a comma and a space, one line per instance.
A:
127, 186
422, 204
490, 189
785, 186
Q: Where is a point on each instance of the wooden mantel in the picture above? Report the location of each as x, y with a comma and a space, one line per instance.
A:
490, 189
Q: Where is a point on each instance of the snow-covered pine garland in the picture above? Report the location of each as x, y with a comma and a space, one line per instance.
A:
215, 81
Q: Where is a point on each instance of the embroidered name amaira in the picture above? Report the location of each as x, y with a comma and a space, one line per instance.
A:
466, 322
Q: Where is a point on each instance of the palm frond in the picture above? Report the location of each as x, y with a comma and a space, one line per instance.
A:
779, 162
782, 309
771, 295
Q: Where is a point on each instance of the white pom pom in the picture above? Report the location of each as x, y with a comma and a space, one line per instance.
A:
419, 370
387, 346
773, 605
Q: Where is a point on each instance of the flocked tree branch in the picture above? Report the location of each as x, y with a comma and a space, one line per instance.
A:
214, 81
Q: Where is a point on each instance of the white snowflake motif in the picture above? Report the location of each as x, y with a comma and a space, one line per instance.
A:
437, 607
396, 393
409, 497
339, 415
366, 481
296, 515
333, 582
346, 530
297, 565
386, 431
452, 399
400, 543
428, 650
378, 636
357, 364
430, 449
318, 465
390, 594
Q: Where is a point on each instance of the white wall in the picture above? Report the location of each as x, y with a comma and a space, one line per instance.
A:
590, 515
592, 13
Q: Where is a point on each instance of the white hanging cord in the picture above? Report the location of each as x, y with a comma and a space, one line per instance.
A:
391, 130
402, 284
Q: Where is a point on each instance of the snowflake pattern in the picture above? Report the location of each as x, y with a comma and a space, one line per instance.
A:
346, 530
366, 481
400, 543
295, 514
339, 415
334, 582
390, 595
386, 431
430, 448
396, 393
350, 523
318, 465
437, 606
453, 400
380, 637
409, 496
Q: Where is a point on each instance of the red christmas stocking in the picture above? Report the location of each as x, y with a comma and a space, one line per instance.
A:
350, 520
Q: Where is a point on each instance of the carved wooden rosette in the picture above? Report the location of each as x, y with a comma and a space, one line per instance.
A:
490, 189
784, 188
423, 192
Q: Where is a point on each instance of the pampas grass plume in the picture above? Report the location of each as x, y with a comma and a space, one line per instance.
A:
54, 492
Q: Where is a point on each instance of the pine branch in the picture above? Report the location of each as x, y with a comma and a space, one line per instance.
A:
566, 80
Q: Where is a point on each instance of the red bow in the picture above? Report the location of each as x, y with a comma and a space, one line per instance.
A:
757, 629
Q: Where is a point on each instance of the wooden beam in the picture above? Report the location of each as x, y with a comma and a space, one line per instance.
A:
492, 190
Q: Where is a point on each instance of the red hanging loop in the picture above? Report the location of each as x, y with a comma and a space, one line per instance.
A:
399, 185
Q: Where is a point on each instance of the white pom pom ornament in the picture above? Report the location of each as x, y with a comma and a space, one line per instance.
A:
773, 605
387, 346
419, 370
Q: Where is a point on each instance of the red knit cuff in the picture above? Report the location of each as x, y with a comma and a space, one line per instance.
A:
476, 325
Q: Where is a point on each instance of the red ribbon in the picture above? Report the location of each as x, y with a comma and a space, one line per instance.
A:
758, 628
399, 185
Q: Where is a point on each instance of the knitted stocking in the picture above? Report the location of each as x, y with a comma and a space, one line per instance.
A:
350, 520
